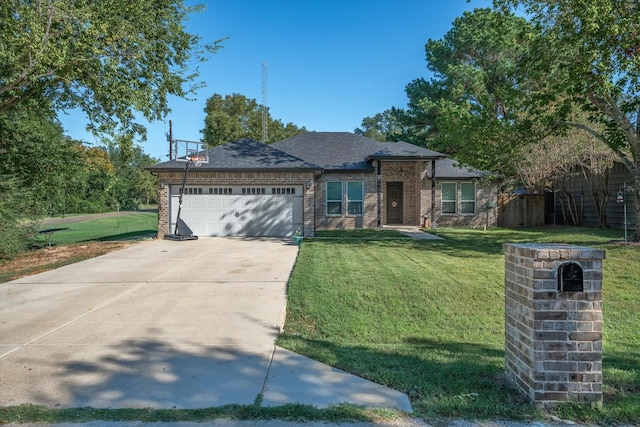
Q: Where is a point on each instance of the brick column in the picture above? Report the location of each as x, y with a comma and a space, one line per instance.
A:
553, 322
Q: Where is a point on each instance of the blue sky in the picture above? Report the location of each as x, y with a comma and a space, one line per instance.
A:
330, 63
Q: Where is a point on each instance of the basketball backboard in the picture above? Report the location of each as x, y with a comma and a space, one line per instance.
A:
189, 151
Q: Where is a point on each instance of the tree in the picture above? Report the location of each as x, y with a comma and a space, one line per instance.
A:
586, 56
133, 185
46, 166
110, 59
236, 116
390, 125
471, 105
562, 162
16, 231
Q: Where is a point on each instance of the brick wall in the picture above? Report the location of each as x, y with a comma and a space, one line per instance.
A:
345, 221
553, 339
204, 177
486, 210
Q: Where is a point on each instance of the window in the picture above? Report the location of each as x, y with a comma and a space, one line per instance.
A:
448, 197
334, 198
279, 190
468, 198
354, 198
465, 202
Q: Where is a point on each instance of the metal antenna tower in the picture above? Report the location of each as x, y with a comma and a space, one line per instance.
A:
265, 113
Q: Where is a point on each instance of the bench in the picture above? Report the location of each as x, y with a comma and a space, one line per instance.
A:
48, 232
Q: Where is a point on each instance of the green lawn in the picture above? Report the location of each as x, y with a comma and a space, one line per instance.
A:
427, 318
131, 226
135, 225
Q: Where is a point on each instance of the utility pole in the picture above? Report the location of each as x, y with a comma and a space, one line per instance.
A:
265, 113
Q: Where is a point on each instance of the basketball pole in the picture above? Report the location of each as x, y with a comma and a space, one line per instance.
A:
170, 138
184, 183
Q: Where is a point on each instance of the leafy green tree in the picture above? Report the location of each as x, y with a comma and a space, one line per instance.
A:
586, 55
390, 125
100, 194
236, 116
133, 185
44, 163
17, 226
109, 58
471, 106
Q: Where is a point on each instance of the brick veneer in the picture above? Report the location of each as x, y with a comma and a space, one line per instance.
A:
486, 214
553, 339
345, 221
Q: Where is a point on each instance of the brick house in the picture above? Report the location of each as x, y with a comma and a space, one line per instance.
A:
319, 181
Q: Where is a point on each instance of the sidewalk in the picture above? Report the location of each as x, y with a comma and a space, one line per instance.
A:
412, 231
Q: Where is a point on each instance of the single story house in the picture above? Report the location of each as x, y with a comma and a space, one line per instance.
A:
320, 181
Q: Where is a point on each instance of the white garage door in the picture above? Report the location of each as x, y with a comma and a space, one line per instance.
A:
257, 211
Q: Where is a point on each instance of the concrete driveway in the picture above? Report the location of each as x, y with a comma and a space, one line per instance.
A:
165, 324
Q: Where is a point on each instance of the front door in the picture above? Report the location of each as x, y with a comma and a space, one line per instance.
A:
394, 202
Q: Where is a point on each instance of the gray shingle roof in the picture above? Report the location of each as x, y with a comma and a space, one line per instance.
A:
320, 150
245, 154
404, 150
347, 151
449, 168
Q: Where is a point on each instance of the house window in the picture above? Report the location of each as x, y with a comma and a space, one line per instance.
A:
454, 202
468, 198
334, 198
354, 198
448, 197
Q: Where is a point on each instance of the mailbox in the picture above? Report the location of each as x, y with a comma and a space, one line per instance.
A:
570, 277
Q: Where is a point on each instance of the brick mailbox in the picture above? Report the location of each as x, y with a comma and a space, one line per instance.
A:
553, 322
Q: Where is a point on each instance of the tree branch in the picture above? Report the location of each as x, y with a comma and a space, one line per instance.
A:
623, 157
32, 61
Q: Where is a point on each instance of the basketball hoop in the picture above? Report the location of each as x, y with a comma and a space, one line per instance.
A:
197, 161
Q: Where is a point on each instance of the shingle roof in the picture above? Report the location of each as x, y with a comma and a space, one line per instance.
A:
317, 151
449, 168
245, 154
405, 150
347, 151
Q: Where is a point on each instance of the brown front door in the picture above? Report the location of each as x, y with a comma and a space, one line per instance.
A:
394, 202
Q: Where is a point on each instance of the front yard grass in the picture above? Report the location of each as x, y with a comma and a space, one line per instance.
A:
427, 318
125, 227
79, 241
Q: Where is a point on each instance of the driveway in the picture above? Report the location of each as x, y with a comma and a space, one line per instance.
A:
165, 324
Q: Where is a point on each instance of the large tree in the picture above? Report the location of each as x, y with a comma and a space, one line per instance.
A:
235, 116
112, 59
470, 107
587, 56
472, 100
46, 165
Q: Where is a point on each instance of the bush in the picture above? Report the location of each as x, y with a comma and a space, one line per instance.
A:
17, 230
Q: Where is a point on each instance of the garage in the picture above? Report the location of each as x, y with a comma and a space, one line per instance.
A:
236, 210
